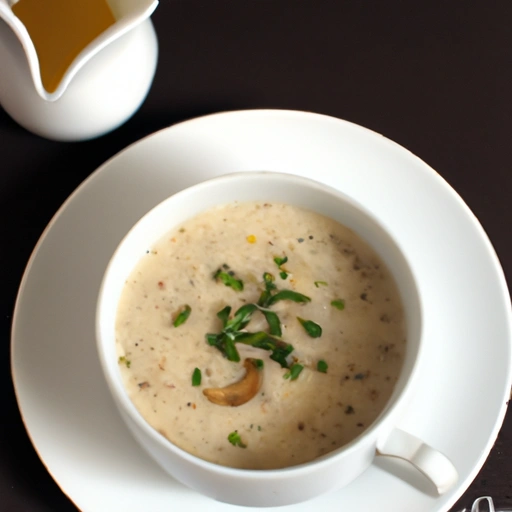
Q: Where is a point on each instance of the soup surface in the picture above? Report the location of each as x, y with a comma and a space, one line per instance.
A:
348, 339
60, 30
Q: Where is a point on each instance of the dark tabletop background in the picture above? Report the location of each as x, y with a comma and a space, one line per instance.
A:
436, 77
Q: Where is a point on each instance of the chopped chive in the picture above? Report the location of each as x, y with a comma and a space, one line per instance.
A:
283, 275
224, 342
212, 339
279, 349
312, 328
242, 317
196, 377
339, 304
182, 316
294, 371
223, 315
235, 439
274, 324
264, 298
230, 349
229, 280
322, 366
288, 295
320, 283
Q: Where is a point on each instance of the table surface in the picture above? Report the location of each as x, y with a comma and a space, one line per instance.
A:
434, 77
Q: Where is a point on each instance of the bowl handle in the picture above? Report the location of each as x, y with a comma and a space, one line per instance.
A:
432, 463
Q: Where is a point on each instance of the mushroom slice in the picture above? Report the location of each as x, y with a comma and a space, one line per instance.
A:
239, 392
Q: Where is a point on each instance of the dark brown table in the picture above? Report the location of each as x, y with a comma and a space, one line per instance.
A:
436, 77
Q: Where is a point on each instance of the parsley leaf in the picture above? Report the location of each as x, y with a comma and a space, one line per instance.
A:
235, 439
279, 349
288, 295
294, 372
312, 328
196, 377
339, 304
223, 315
274, 324
280, 261
229, 280
182, 316
322, 366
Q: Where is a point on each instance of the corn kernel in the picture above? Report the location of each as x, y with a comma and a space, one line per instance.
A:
251, 239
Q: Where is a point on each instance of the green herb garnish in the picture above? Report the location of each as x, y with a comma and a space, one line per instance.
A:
229, 280
279, 349
312, 328
274, 324
123, 359
235, 439
225, 344
339, 304
230, 349
223, 315
241, 319
196, 377
280, 261
322, 366
258, 363
320, 283
182, 316
233, 329
268, 281
294, 371
288, 295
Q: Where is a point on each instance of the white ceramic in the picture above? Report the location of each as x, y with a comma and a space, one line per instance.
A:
298, 483
57, 376
102, 88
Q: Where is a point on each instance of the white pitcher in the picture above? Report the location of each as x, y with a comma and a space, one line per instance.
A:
104, 85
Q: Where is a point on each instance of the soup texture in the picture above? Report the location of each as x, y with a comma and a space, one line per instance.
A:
260, 335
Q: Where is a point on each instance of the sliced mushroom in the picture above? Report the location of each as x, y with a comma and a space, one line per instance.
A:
239, 392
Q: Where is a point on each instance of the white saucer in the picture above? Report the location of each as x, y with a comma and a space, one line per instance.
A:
468, 359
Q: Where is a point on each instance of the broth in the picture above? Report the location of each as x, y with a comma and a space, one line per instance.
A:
60, 30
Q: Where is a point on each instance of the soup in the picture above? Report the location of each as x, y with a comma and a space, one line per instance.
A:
60, 30
260, 335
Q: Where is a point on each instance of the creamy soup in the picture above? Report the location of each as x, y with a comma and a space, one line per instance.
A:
333, 344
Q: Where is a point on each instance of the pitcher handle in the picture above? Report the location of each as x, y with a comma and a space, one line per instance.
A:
432, 463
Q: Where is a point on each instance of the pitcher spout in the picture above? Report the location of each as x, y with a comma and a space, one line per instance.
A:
51, 77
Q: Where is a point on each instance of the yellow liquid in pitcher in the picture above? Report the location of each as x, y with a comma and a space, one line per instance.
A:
60, 30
